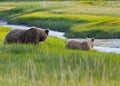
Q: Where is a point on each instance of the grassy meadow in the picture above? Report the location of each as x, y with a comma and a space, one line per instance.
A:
77, 19
49, 63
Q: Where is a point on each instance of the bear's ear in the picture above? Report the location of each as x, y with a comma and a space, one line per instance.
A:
47, 31
92, 39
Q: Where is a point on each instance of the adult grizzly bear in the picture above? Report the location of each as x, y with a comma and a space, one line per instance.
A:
33, 35
82, 45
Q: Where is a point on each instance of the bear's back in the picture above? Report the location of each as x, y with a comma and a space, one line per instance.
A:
30, 36
74, 44
77, 44
13, 36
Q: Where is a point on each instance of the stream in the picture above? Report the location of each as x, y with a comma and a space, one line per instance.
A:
102, 45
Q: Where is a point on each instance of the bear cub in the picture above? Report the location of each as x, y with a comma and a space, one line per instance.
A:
82, 45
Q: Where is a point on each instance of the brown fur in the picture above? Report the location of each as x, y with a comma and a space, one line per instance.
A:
82, 45
33, 35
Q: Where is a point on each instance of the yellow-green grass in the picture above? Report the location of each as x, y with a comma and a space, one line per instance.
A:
84, 7
100, 29
75, 7
75, 25
8, 5
50, 64
8, 9
76, 18
3, 31
90, 9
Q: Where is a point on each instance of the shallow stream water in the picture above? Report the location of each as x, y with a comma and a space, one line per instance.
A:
102, 45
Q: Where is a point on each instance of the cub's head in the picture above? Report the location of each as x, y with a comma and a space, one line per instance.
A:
91, 42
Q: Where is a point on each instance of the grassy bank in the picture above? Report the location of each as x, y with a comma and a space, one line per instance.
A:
75, 25
76, 19
50, 64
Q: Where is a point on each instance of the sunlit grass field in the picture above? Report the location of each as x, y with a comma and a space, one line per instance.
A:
77, 19
75, 25
50, 64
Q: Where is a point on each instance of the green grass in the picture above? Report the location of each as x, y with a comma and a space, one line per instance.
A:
15, 9
50, 64
75, 25
100, 29
98, 19
77, 19
3, 31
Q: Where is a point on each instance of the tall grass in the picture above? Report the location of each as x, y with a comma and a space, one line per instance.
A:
3, 31
28, 64
50, 64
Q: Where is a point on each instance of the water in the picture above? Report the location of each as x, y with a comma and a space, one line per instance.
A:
51, 32
102, 45
108, 45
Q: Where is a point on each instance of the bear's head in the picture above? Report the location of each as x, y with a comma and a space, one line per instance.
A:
43, 34
91, 42
38, 33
